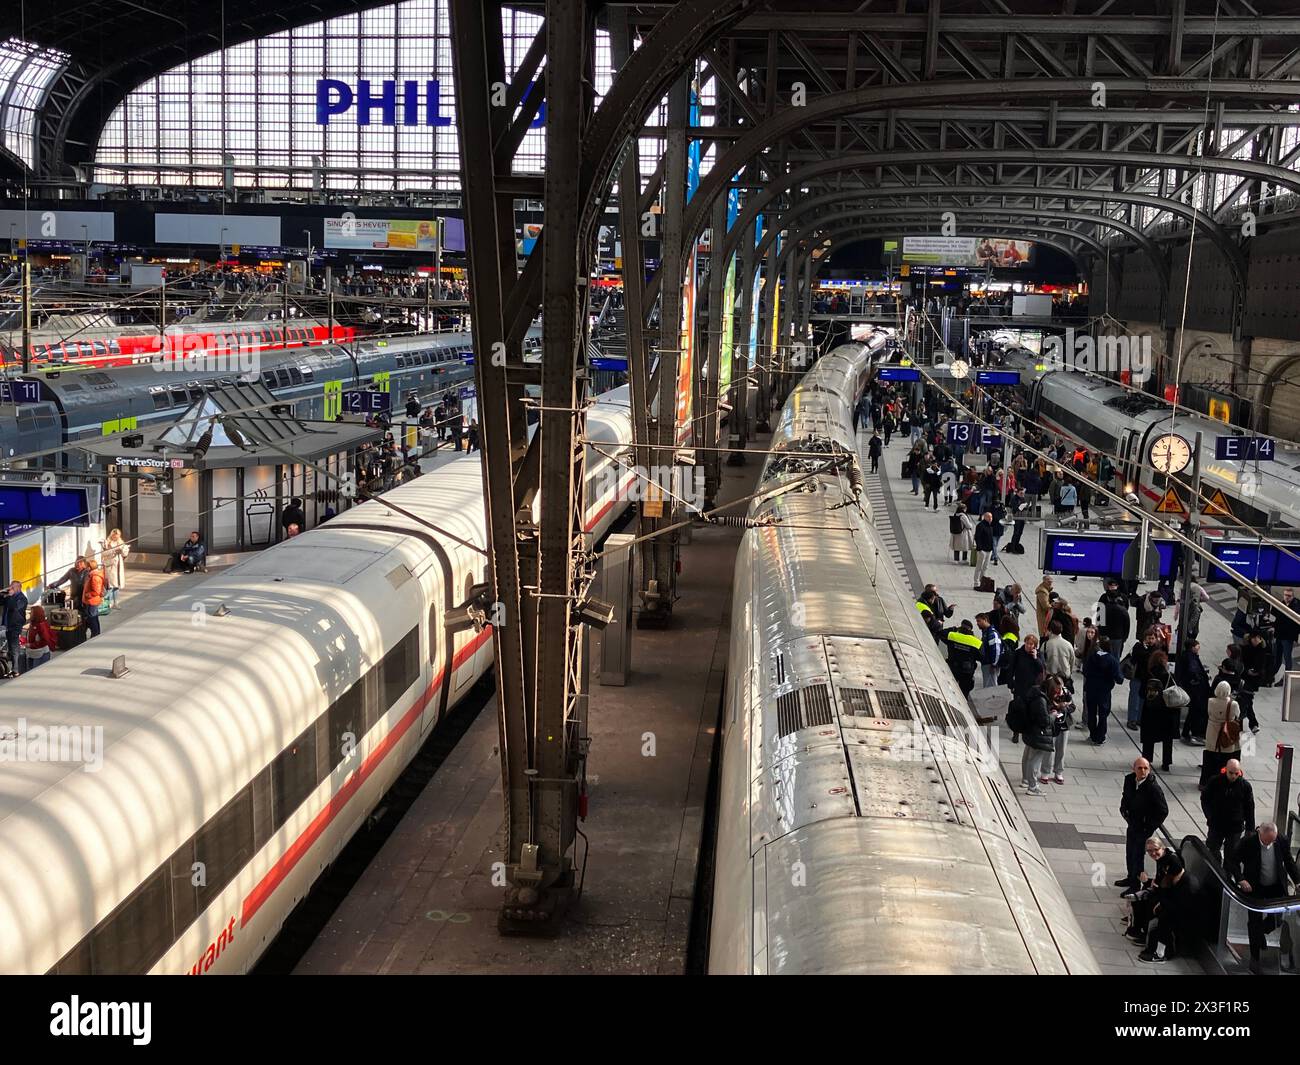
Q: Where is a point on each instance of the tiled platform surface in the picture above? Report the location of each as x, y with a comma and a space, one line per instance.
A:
1078, 823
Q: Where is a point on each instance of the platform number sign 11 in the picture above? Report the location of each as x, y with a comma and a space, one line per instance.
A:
1244, 448
20, 392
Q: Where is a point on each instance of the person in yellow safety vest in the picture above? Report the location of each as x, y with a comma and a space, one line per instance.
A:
963, 655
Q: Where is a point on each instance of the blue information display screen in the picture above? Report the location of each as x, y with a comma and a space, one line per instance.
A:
997, 377
1261, 563
34, 504
609, 363
898, 373
1097, 555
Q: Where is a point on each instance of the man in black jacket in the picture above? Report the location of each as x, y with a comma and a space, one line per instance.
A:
1144, 810
13, 612
1228, 802
1191, 675
1101, 676
1265, 861
293, 514
1113, 618
1285, 632
874, 447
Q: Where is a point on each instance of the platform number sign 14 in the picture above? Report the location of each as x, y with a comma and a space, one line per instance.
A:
1244, 448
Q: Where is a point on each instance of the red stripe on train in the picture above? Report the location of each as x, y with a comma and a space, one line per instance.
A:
296, 850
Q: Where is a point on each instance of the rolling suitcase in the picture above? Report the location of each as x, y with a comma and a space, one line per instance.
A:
70, 636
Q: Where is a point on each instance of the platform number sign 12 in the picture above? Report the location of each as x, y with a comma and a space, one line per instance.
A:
1244, 448
361, 401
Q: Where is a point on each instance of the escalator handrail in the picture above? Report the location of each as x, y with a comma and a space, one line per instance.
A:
1246, 902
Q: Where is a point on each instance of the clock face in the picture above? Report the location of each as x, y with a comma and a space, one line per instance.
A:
1171, 453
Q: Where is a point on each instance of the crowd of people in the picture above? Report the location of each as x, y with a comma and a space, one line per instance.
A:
1039, 646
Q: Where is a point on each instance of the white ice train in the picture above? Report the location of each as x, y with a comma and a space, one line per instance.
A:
1136, 427
263, 717
864, 825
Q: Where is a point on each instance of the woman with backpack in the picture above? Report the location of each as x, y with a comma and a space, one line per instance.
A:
1222, 733
961, 530
1034, 717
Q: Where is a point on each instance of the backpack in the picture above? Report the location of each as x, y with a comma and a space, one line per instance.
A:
955, 526
1017, 714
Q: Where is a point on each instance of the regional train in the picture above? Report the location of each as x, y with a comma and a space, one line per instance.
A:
89, 404
258, 722
108, 345
864, 823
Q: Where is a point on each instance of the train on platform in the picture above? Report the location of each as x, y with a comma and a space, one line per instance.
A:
63, 407
256, 723
1142, 434
108, 345
864, 822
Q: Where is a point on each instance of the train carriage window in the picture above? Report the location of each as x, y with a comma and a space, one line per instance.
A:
224, 846
295, 375
282, 378
179, 397
346, 724
196, 392
136, 934
293, 776
401, 362
308, 374
161, 400
185, 900
400, 668
114, 348
268, 378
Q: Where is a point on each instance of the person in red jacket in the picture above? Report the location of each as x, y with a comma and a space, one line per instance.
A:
92, 597
40, 640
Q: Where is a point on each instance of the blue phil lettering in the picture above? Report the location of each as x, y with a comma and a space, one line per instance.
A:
334, 97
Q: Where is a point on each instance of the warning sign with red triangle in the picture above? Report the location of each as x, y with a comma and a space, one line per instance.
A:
1217, 504
1170, 503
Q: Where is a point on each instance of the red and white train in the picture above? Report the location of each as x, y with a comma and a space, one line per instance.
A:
265, 713
130, 345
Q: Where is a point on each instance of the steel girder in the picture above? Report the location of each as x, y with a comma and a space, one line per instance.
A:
982, 212
1231, 250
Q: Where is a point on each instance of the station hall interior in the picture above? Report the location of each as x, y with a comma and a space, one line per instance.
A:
706, 487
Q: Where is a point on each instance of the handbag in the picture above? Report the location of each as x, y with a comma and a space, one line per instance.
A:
1126, 667
1229, 738
1175, 698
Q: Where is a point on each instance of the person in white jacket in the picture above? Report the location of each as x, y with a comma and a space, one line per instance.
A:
113, 554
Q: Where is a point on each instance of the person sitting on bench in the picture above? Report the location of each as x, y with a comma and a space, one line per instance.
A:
190, 557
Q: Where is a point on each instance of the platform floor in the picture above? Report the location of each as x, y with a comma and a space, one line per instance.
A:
1078, 824
426, 903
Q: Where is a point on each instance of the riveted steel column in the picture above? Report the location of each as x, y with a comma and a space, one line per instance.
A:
659, 570
742, 371
707, 415
474, 24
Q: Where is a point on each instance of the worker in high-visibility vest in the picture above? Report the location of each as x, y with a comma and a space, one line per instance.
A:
964, 649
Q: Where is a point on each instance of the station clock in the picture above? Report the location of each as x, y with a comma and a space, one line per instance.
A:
1171, 453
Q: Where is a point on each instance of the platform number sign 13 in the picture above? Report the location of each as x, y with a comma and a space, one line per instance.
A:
960, 434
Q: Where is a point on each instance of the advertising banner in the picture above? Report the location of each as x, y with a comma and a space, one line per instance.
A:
966, 251
728, 330
379, 234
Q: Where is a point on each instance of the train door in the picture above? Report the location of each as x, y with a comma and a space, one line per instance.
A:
1126, 440
436, 654
459, 644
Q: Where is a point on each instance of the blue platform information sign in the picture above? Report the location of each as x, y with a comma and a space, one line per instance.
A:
363, 401
1261, 563
994, 378
898, 373
1096, 554
1246, 448
990, 439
